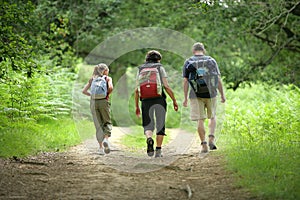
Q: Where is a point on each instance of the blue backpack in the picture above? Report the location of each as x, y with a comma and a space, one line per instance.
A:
99, 88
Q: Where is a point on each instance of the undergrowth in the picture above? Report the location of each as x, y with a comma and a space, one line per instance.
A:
24, 138
261, 139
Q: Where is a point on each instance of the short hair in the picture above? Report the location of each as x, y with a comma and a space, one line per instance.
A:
100, 69
153, 56
198, 46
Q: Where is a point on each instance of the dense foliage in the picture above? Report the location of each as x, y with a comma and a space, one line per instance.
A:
37, 65
256, 41
41, 41
261, 139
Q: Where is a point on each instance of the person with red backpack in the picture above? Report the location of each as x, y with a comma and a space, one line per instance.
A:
151, 83
202, 74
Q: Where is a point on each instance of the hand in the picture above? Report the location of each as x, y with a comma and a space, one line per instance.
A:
175, 105
185, 102
223, 99
137, 112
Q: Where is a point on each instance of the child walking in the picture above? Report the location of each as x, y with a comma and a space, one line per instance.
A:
99, 88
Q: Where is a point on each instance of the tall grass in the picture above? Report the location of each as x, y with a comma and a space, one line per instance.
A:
262, 140
35, 113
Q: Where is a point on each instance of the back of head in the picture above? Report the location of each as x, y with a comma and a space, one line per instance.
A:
99, 69
153, 56
199, 47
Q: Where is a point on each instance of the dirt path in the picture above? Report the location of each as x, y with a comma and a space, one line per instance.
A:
123, 174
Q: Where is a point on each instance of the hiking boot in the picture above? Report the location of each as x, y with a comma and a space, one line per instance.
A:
106, 146
212, 146
204, 148
101, 151
158, 153
150, 148
211, 143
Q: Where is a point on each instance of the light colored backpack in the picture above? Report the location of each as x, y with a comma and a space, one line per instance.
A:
149, 79
99, 87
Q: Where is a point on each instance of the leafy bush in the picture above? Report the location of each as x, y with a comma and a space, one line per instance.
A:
261, 139
40, 96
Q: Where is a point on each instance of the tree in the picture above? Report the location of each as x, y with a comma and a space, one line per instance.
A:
261, 39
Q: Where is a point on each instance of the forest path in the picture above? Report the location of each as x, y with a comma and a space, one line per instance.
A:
125, 173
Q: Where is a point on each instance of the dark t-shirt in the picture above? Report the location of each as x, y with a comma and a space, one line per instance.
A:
186, 73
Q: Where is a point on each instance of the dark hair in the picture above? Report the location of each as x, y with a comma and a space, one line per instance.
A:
153, 56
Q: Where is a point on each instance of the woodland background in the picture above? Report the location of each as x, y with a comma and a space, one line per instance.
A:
256, 43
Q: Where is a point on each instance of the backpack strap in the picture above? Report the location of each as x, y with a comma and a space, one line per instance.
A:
160, 77
195, 59
192, 85
154, 65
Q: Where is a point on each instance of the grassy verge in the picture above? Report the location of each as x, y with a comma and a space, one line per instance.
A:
22, 139
262, 141
86, 129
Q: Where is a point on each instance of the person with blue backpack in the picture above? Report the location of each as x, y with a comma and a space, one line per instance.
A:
99, 87
202, 74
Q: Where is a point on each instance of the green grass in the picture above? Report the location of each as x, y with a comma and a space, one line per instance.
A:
137, 140
262, 141
85, 128
21, 139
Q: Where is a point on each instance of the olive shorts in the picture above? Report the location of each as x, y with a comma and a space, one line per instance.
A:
203, 108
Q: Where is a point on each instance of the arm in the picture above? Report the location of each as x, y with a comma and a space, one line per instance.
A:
86, 88
110, 85
170, 93
185, 91
220, 88
136, 99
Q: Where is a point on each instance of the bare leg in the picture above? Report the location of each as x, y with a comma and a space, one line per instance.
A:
148, 133
159, 140
212, 127
201, 130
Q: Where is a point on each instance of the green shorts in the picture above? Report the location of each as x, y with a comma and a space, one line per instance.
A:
203, 108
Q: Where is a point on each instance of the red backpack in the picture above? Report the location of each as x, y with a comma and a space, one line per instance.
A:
149, 80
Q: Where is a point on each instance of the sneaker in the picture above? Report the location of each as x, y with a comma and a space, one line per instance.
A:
150, 149
204, 147
106, 146
212, 146
101, 151
158, 153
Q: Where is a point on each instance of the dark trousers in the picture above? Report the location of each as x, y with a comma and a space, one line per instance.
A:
154, 107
